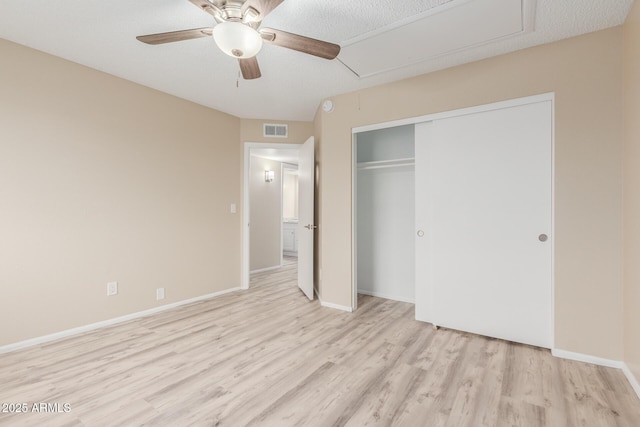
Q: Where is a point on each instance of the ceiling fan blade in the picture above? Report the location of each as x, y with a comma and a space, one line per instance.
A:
175, 36
300, 43
263, 7
250, 69
210, 8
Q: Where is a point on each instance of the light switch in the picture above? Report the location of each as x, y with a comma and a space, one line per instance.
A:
233, 208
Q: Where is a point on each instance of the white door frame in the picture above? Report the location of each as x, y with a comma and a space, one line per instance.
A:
245, 273
550, 96
354, 222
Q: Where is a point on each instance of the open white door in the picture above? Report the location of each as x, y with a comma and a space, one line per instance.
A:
306, 226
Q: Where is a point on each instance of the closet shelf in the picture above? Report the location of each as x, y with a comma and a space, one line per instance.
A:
386, 164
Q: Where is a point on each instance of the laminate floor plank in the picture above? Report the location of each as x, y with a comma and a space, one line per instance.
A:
481, 395
473, 383
252, 396
270, 357
385, 402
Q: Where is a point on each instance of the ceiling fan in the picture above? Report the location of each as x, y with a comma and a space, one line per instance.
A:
237, 34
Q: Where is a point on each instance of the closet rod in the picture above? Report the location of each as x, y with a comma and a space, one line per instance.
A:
386, 164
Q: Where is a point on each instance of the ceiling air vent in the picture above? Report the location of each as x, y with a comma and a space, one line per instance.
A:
275, 131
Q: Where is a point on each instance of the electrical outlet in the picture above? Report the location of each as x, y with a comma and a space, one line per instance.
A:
112, 288
159, 294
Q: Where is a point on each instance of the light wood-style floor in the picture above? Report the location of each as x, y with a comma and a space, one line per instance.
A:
270, 357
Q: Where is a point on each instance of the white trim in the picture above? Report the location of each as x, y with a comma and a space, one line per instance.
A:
354, 222
336, 306
260, 270
635, 384
245, 273
609, 363
586, 358
386, 296
281, 224
109, 322
552, 333
549, 96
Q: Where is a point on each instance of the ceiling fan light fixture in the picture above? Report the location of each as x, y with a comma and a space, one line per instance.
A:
237, 39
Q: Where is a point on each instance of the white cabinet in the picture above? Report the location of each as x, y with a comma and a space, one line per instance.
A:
290, 238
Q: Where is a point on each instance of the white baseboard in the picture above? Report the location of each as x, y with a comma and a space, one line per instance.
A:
635, 384
336, 306
563, 354
385, 296
109, 322
260, 270
587, 358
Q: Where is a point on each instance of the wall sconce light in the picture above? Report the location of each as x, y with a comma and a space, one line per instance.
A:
268, 176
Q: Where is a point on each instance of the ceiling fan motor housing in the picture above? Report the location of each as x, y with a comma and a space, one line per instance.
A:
233, 11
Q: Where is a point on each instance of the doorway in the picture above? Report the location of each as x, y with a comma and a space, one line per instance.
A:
278, 227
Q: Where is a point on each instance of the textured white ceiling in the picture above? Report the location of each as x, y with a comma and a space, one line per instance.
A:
102, 35
439, 31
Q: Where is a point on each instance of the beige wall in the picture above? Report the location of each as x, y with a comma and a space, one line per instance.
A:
105, 180
584, 72
251, 131
265, 200
632, 191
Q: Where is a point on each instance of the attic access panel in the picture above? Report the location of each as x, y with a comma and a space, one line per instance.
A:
452, 27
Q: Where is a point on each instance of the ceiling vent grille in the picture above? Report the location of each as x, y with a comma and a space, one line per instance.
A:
275, 131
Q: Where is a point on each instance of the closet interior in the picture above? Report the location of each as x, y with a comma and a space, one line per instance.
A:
385, 213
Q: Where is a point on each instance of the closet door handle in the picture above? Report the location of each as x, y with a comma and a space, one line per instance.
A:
310, 226
420, 233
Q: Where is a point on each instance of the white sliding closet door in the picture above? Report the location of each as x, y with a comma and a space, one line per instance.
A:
483, 206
